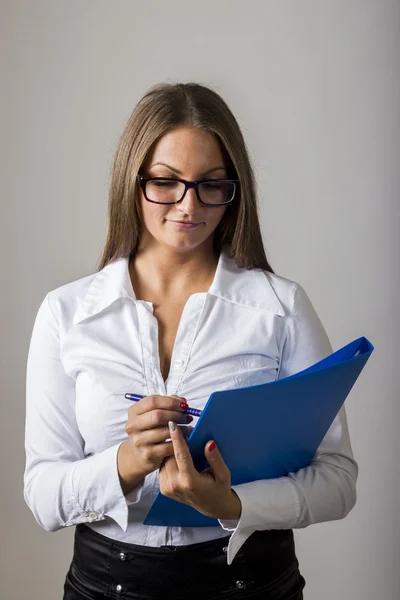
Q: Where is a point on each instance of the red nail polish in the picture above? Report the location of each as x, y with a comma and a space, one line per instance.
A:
189, 418
184, 405
212, 446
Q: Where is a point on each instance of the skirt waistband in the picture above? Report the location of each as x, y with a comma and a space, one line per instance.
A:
105, 566
273, 549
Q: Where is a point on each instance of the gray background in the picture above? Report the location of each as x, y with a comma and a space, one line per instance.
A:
315, 88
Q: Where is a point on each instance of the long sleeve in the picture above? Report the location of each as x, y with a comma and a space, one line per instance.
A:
325, 490
62, 486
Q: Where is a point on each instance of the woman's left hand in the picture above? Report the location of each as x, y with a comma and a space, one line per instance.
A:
210, 491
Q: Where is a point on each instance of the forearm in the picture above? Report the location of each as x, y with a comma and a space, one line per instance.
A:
128, 476
323, 491
75, 491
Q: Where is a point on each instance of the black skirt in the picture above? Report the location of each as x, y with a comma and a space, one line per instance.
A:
265, 567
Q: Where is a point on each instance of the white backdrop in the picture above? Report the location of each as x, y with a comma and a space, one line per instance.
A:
315, 86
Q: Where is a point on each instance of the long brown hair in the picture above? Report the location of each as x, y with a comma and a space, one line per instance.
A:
165, 107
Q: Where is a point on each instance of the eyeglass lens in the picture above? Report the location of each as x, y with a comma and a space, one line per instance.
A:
171, 191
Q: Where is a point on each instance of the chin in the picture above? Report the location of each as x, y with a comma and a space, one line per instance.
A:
186, 245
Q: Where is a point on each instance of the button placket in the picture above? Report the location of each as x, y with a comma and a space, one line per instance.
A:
149, 342
184, 340
182, 345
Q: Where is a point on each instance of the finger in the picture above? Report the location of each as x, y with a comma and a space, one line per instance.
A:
160, 434
156, 435
216, 462
160, 417
154, 402
186, 430
169, 469
159, 452
182, 454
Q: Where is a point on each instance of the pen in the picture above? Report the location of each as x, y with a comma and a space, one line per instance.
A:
190, 411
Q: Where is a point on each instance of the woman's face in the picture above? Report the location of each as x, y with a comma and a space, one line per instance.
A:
192, 154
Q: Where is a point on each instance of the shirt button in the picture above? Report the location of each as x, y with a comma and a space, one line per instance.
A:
240, 584
179, 363
119, 588
225, 549
93, 515
122, 556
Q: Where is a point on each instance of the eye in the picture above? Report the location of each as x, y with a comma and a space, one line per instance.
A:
212, 186
162, 183
165, 183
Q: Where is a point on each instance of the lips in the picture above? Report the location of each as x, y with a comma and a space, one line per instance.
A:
187, 222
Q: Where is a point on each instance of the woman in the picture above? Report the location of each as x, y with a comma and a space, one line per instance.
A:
184, 303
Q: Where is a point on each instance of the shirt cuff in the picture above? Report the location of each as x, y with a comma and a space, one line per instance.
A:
266, 504
97, 489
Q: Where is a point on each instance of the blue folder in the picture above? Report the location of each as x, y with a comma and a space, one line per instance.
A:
281, 432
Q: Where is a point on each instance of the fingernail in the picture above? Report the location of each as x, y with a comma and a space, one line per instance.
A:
171, 425
212, 446
189, 418
184, 405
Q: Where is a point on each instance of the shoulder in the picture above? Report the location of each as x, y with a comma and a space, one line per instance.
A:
257, 288
303, 326
290, 294
65, 300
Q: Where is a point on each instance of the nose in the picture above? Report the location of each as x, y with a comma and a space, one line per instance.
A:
190, 203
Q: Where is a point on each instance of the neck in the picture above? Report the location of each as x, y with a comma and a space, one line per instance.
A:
167, 272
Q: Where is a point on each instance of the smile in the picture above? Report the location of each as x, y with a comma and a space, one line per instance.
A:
184, 225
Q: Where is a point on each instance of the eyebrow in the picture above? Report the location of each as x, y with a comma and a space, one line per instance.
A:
179, 172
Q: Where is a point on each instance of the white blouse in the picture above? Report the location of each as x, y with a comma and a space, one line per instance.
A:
93, 341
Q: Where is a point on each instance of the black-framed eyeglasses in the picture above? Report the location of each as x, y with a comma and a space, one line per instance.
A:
168, 190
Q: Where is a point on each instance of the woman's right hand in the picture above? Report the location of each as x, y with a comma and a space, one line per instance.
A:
147, 428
